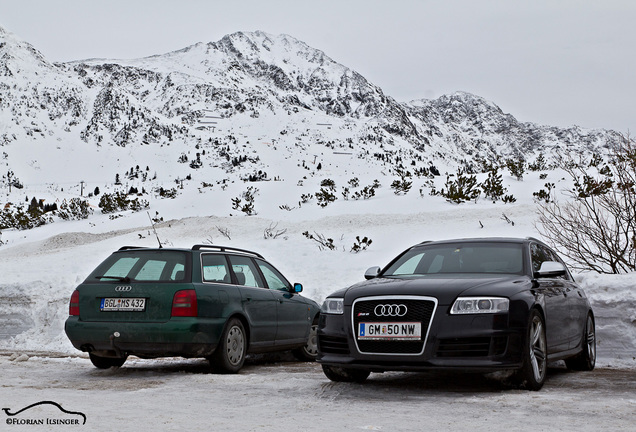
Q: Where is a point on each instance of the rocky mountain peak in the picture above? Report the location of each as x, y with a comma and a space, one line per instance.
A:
18, 57
245, 76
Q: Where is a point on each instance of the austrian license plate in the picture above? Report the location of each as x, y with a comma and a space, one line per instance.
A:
390, 331
123, 304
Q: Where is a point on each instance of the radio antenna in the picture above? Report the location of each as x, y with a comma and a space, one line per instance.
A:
152, 224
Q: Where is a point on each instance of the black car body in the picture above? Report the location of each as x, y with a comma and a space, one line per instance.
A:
470, 304
209, 301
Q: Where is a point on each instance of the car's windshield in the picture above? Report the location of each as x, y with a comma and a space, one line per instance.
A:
459, 258
141, 266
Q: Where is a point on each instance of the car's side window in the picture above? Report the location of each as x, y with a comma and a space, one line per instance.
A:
215, 268
538, 255
273, 278
245, 271
555, 257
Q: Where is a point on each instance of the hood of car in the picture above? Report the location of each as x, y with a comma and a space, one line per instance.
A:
445, 288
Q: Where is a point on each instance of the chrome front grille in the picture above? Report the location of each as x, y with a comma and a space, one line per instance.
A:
405, 309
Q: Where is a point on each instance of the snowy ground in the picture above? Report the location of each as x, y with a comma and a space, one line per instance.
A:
41, 267
290, 396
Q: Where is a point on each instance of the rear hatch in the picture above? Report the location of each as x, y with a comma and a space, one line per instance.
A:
135, 285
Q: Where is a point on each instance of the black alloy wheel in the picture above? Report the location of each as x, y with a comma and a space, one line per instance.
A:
586, 360
535, 357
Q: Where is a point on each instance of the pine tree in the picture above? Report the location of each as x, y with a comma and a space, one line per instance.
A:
493, 185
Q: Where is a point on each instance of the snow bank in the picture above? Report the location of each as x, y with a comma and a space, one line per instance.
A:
613, 299
38, 277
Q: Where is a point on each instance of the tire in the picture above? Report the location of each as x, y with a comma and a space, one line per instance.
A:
586, 360
309, 352
230, 353
339, 374
106, 362
535, 358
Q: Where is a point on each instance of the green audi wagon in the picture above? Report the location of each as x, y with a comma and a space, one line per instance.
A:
215, 302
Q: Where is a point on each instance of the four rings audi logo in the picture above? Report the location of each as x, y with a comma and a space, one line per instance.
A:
123, 288
392, 310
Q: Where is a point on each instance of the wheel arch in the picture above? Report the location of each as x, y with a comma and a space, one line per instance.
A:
316, 319
539, 308
244, 321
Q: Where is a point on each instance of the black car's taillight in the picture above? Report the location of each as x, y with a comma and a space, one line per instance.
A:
73, 307
184, 304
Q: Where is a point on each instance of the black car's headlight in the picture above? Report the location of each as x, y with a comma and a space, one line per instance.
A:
333, 306
479, 305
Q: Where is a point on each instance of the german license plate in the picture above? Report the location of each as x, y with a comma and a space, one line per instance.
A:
123, 304
390, 331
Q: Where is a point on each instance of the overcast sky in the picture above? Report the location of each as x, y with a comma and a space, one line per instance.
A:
553, 62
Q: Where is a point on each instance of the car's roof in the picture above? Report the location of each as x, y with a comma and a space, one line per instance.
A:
481, 240
197, 247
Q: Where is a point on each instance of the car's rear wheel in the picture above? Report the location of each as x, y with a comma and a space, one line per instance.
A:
586, 360
535, 357
230, 354
339, 374
106, 362
309, 352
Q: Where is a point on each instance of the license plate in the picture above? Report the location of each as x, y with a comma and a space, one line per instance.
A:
123, 304
390, 331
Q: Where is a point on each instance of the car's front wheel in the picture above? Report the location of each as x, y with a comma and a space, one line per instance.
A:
339, 374
586, 360
535, 357
106, 362
309, 352
230, 354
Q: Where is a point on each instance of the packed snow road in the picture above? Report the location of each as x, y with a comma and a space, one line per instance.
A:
278, 394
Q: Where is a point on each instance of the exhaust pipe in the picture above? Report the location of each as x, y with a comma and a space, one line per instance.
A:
112, 344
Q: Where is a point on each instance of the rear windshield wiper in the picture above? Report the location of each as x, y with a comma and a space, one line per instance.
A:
118, 278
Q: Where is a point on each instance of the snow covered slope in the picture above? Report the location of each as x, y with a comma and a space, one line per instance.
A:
191, 131
249, 89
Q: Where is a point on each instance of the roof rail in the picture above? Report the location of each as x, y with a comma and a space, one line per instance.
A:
132, 247
225, 248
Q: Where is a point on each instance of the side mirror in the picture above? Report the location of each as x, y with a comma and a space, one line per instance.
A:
297, 288
372, 273
550, 269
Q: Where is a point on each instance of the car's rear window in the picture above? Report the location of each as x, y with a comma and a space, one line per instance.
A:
505, 258
142, 266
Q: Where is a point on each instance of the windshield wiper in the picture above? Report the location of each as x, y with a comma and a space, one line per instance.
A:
118, 278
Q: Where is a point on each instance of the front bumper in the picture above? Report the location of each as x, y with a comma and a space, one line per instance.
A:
471, 343
185, 337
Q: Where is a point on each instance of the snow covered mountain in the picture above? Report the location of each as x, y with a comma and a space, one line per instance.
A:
258, 86
183, 135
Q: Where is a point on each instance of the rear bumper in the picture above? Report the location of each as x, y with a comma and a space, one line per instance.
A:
185, 337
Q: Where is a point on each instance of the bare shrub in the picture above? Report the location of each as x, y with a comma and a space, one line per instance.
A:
596, 226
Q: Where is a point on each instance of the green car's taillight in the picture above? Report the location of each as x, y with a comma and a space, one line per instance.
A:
73, 306
184, 304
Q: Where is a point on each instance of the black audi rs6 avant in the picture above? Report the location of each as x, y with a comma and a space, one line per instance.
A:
477, 305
